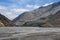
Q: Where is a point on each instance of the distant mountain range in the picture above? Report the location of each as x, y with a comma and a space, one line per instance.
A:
5, 22
48, 16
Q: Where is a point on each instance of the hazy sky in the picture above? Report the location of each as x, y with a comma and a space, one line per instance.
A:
12, 8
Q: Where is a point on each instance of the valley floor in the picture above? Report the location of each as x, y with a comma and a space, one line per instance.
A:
29, 33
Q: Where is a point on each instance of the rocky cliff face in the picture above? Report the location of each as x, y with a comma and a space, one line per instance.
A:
5, 21
44, 16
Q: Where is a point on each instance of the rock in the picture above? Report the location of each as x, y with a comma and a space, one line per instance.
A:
47, 16
1, 24
5, 21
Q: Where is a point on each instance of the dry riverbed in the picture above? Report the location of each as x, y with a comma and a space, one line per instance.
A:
29, 33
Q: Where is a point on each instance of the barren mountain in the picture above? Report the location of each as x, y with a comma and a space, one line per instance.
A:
48, 16
5, 21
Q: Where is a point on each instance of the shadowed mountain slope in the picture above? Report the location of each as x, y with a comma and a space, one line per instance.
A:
5, 21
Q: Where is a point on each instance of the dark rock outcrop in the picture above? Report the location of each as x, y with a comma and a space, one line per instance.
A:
44, 16
5, 21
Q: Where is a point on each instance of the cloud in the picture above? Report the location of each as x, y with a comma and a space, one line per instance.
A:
48, 4
32, 6
11, 13
13, 8
19, 10
2, 7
